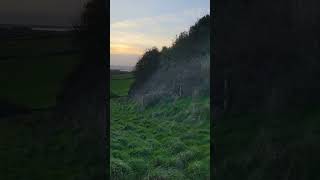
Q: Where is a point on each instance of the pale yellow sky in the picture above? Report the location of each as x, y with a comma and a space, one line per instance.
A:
135, 27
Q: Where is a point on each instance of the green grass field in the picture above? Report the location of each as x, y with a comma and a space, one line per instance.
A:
170, 140
120, 84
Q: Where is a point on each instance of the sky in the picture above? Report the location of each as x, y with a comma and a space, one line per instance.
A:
41, 12
137, 25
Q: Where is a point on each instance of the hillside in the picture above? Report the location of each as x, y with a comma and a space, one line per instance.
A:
183, 69
266, 83
138, 133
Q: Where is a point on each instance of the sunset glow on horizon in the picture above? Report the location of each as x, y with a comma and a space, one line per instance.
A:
143, 24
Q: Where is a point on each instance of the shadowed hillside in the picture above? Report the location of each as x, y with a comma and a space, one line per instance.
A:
267, 55
266, 84
82, 104
180, 70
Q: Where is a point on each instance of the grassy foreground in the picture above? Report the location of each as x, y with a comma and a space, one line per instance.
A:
170, 140
166, 141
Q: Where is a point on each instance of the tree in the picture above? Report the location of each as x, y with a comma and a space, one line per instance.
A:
147, 64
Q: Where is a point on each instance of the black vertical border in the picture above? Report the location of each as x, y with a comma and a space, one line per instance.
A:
212, 70
107, 59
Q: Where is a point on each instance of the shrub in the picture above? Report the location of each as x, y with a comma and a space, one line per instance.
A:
146, 65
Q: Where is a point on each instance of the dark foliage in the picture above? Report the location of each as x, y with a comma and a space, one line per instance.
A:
265, 63
267, 54
82, 103
201, 26
189, 44
146, 65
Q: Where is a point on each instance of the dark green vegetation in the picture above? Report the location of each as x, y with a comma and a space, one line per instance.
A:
269, 63
146, 66
34, 81
31, 144
266, 83
181, 70
68, 72
167, 141
260, 147
31, 148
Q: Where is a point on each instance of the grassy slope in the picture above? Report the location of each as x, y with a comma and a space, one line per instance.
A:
163, 141
168, 140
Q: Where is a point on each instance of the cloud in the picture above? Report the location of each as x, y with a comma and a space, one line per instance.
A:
146, 21
155, 21
124, 49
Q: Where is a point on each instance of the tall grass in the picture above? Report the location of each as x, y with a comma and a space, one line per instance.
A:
163, 141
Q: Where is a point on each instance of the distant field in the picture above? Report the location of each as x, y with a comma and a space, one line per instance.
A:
127, 75
120, 84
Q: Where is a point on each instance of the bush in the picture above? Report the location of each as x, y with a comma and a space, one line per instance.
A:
147, 64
